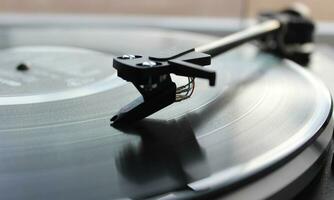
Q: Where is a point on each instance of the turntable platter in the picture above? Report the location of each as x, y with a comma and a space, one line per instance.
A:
262, 111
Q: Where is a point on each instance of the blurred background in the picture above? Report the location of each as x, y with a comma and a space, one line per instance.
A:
321, 9
33, 22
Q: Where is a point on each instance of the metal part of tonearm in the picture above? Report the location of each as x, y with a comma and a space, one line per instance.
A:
288, 33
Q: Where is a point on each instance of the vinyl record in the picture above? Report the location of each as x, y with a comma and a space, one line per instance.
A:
56, 141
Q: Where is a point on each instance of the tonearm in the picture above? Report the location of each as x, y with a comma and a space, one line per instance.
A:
288, 34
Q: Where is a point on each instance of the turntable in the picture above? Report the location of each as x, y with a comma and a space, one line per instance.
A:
264, 131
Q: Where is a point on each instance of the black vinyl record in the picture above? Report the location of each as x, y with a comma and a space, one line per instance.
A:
56, 141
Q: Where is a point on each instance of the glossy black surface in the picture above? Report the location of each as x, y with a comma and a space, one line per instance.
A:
65, 148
